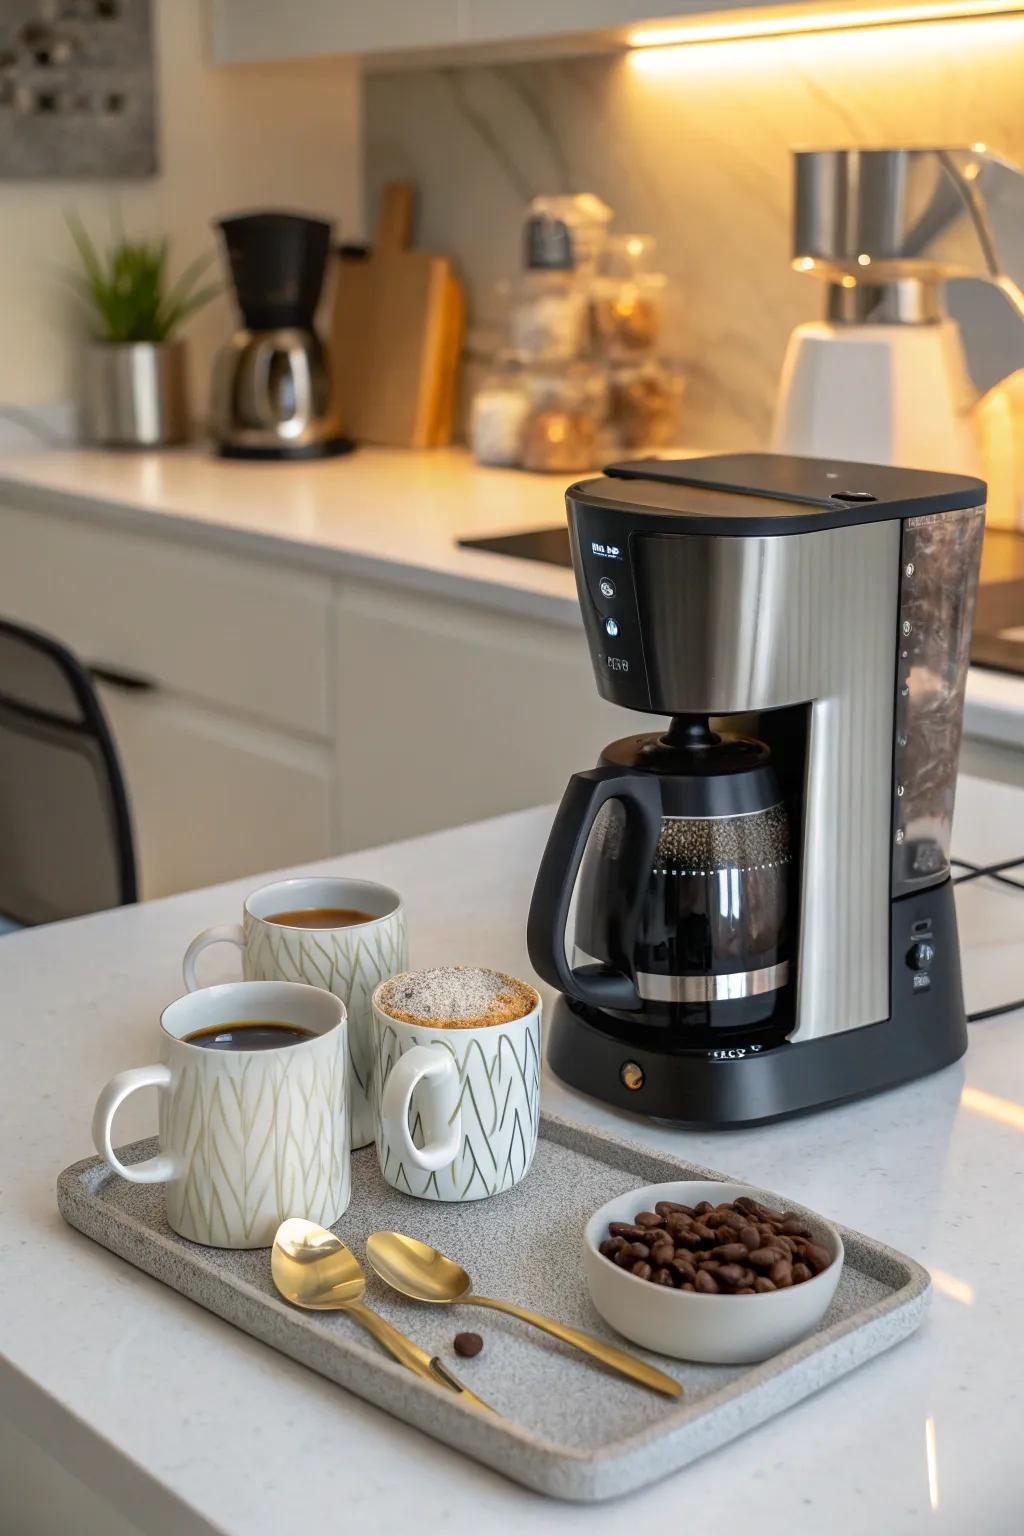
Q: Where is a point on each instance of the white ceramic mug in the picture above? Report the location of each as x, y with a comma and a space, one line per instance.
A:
247, 1138
456, 1110
350, 961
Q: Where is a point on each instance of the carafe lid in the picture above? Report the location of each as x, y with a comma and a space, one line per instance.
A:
703, 773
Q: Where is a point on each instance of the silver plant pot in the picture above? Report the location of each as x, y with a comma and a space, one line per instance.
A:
133, 394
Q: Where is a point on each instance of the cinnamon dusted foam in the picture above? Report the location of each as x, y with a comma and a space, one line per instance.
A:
456, 997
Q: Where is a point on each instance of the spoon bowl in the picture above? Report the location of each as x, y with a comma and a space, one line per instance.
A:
416, 1270
312, 1268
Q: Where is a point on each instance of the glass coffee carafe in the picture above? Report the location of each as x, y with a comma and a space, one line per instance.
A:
682, 845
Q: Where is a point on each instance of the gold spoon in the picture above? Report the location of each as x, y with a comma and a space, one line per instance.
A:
313, 1269
416, 1270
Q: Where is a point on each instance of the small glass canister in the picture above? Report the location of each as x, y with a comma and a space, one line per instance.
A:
644, 406
628, 300
562, 430
499, 410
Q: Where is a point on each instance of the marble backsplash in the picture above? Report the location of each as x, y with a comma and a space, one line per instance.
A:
692, 145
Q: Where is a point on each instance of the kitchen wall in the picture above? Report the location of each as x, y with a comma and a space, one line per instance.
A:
692, 144
229, 139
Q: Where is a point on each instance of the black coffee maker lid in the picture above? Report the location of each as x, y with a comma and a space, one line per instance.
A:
277, 259
703, 773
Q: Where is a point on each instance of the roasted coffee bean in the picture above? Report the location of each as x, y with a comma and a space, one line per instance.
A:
704, 1232
735, 1220
744, 1290
704, 1262
468, 1344
662, 1253
671, 1208
750, 1237
706, 1282
730, 1275
729, 1253
624, 1259
688, 1240
625, 1229
662, 1276
800, 1274
683, 1270
792, 1226
817, 1257
762, 1283
763, 1258
647, 1219
745, 1203
637, 1251
702, 1208
641, 1270
781, 1274
687, 1286
679, 1223
611, 1246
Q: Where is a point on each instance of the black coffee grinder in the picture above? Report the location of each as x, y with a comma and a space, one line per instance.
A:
764, 917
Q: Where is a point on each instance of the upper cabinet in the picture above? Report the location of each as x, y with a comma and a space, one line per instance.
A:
385, 33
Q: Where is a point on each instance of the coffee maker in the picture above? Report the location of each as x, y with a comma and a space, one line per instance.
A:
764, 918
272, 395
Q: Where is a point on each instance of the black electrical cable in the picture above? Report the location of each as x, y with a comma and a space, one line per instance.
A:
991, 872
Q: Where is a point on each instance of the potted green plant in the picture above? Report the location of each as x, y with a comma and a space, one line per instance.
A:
133, 390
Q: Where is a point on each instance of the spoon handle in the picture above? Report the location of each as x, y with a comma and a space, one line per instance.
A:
411, 1355
608, 1354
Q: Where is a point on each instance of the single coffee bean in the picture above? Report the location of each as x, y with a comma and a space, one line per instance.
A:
672, 1208
637, 1251
624, 1259
678, 1223
730, 1274
706, 1282
702, 1208
468, 1344
625, 1229
641, 1270
744, 1290
800, 1274
647, 1219
711, 1265
611, 1246
763, 1258
730, 1253
662, 1277
770, 1215
782, 1274
687, 1286
750, 1237
817, 1257
745, 1203
683, 1270
662, 1253
762, 1283
732, 1219
794, 1227
688, 1240
704, 1232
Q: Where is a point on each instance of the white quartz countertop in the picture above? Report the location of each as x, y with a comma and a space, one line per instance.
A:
187, 1426
387, 513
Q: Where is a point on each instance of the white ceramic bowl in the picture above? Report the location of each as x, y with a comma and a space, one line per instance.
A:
721, 1330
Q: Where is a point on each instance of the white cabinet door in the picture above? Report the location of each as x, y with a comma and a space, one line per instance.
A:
250, 31
448, 713
213, 798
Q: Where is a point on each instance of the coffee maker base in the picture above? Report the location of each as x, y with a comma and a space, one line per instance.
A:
732, 1088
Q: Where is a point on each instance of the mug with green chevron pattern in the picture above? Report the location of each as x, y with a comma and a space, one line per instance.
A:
348, 960
456, 1101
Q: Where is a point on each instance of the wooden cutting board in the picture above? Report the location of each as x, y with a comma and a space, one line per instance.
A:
396, 337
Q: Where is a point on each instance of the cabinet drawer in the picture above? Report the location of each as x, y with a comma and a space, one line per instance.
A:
213, 799
230, 629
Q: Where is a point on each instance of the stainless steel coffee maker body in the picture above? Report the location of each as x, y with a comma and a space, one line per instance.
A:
823, 610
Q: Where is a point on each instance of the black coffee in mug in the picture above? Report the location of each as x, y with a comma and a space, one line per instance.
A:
246, 1035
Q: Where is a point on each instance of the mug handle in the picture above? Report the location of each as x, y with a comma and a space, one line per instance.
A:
221, 933
155, 1170
442, 1117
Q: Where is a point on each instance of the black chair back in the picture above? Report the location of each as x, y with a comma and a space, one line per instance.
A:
66, 845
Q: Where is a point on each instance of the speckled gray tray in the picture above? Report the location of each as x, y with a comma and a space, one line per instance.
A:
571, 1429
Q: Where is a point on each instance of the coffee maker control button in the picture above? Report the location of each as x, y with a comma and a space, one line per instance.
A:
920, 956
606, 587
611, 627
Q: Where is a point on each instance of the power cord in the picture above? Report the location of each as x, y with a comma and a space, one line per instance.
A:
991, 872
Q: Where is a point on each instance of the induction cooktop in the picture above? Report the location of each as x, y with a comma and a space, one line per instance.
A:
998, 621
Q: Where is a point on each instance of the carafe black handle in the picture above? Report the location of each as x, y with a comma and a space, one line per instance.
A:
585, 794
